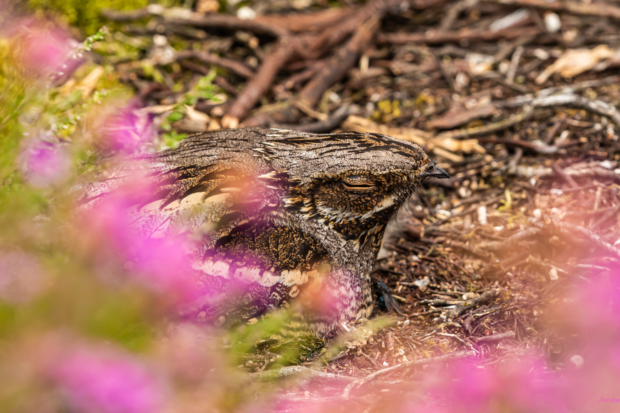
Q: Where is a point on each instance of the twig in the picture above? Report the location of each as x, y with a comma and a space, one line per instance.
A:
232, 65
293, 371
567, 229
586, 9
608, 215
514, 64
513, 240
597, 106
306, 22
328, 75
457, 116
567, 178
346, 394
495, 337
259, 84
469, 304
182, 16
490, 128
322, 126
469, 211
437, 37
453, 13
311, 48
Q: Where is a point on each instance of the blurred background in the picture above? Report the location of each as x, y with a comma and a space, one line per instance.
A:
507, 273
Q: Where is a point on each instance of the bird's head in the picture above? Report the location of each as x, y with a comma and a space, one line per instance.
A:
351, 182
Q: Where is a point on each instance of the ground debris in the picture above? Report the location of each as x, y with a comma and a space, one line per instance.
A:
532, 203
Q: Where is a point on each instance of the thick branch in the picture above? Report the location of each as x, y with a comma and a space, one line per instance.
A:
585, 9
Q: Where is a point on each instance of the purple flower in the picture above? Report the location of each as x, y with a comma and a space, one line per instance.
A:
43, 49
127, 130
45, 163
108, 382
160, 264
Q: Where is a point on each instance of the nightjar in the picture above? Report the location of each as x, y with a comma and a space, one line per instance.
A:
279, 216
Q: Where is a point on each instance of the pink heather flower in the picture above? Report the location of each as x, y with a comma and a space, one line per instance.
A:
45, 163
44, 49
520, 385
164, 265
127, 130
21, 277
160, 264
108, 382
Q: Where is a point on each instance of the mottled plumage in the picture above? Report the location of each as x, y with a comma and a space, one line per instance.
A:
277, 212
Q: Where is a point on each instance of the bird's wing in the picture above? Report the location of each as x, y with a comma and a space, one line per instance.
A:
210, 179
211, 187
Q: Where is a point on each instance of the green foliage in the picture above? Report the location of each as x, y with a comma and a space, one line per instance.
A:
203, 89
13, 98
78, 290
28, 106
172, 138
84, 14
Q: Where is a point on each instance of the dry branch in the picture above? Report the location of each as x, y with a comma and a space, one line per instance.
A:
181, 16
436, 37
585, 9
448, 357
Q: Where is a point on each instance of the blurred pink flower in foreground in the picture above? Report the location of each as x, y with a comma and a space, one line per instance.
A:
21, 277
108, 382
43, 48
160, 264
45, 163
127, 130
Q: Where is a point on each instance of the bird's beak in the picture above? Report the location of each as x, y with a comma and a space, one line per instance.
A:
435, 172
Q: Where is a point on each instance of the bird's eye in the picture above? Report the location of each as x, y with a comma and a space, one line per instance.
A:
358, 183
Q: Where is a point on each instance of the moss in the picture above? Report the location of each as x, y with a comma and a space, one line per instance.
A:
83, 14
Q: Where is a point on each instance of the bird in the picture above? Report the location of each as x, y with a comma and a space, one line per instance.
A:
280, 216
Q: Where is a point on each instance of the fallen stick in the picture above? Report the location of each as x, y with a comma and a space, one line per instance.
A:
536, 146
512, 241
322, 126
585, 9
437, 37
186, 17
596, 106
312, 47
490, 128
495, 337
234, 66
469, 304
259, 84
566, 177
346, 394
327, 76
294, 371
312, 22
340, 64
530, 103
567, 229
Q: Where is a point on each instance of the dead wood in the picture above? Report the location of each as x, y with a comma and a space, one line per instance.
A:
586, 9
435, 37
448, 357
